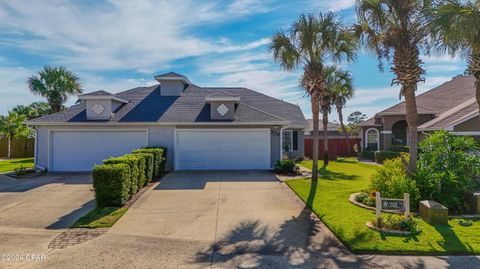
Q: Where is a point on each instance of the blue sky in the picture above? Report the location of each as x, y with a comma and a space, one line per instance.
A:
118, 45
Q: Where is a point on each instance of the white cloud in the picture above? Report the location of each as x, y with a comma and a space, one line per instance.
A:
336, 5
120, 35
13, 88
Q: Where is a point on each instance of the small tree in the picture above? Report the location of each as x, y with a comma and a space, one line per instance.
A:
55, 84
12, 126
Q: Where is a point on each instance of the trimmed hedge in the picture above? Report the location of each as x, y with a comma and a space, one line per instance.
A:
112, 184
136, 169
159, 161
148, 171
368, 154
399, 148
383, 155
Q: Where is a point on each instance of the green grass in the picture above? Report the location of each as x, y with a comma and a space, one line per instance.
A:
101, 217
11, 165
330, 203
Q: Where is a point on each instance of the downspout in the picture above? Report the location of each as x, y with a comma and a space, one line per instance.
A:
281, 142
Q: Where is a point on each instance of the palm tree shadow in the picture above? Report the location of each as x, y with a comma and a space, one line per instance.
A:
330, 175
297, 242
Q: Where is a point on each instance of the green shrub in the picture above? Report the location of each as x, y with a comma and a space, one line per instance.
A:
399, 148
112, 184
383, 155
148, 171
159, 160
285, 166
136, 170
368, 155
361, 197
448, 166
392, 181
398, 223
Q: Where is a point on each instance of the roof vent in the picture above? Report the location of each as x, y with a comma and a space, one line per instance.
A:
101, 104
172, 84
222, 106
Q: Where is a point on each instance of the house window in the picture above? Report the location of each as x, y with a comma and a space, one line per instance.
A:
373, 140
287, 141
295, 140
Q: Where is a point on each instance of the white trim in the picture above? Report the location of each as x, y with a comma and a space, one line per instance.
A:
468, 133
462, 120
35, 148
101, 97
182, 78
222, 98
378, 137
50, 138
175, 140
386, 132
93, 123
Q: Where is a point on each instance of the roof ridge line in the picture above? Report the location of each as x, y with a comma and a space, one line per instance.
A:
266, 113
448, 113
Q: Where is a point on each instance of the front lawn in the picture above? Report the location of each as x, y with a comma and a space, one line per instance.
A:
12, 164
101, 217
330, 203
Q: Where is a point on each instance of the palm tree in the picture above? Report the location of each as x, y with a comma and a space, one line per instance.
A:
55, 84
396, 31
310, 42
12, 126
456, 29
341, 90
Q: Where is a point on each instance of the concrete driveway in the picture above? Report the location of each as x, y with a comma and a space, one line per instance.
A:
236, 219
33, 211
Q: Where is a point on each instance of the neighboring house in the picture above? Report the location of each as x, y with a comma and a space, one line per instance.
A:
451, 106
332, 129
202, 128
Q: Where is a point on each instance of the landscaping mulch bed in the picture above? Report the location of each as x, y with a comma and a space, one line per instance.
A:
373, 227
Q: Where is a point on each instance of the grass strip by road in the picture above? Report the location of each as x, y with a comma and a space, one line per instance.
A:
101, 217
11, 164
329, 201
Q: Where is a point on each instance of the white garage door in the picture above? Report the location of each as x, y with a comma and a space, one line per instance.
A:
222, 149
81, 150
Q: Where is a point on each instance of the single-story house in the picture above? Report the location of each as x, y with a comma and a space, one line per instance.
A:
202, 128
451, 106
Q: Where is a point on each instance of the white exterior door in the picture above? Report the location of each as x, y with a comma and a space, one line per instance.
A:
222, 149
81, 150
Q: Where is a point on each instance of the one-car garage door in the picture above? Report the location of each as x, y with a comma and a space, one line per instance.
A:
215, 149
81, 150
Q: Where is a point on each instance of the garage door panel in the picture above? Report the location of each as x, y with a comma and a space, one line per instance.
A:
223, 149
81, 150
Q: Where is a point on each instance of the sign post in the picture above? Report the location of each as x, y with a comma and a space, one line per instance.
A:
396, 205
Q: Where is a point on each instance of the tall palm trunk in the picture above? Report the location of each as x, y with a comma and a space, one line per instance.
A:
315, 112
474, 68
412, 122
9, 143
344, 129
325, 134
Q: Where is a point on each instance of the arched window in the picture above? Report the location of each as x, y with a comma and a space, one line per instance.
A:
372, 141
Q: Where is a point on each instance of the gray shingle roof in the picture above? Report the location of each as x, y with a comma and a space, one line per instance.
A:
451, 116
145, 104
332, 126
442, 98
97, 93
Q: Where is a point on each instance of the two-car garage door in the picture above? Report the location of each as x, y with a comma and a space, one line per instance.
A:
81, 150
219, 149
